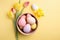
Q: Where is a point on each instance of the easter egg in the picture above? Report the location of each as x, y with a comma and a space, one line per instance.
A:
33, 26
30, 19
22, 21
27, 28
34, 7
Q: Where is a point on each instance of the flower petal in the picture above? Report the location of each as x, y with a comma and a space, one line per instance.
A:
17, 6
10, 14
26, 4
13, 10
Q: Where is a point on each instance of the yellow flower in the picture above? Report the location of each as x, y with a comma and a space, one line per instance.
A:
38, 13
10, 15
17, 6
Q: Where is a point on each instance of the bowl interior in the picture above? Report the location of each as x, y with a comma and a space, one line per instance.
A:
20, 30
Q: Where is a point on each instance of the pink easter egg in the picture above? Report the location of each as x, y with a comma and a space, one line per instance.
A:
22, 21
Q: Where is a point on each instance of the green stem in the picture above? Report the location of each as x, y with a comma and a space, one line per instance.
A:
16, 32
15, 20
19, 1
19, 13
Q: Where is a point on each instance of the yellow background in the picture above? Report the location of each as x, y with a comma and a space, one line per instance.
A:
49, 25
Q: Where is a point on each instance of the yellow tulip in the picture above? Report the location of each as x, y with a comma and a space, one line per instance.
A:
17, 6
10, 15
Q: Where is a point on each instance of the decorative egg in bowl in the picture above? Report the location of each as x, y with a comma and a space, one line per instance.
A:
27, 23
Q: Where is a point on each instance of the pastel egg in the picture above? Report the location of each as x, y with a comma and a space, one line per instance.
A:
30, 19
34, 7
33, 26
22, 22
27, 28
